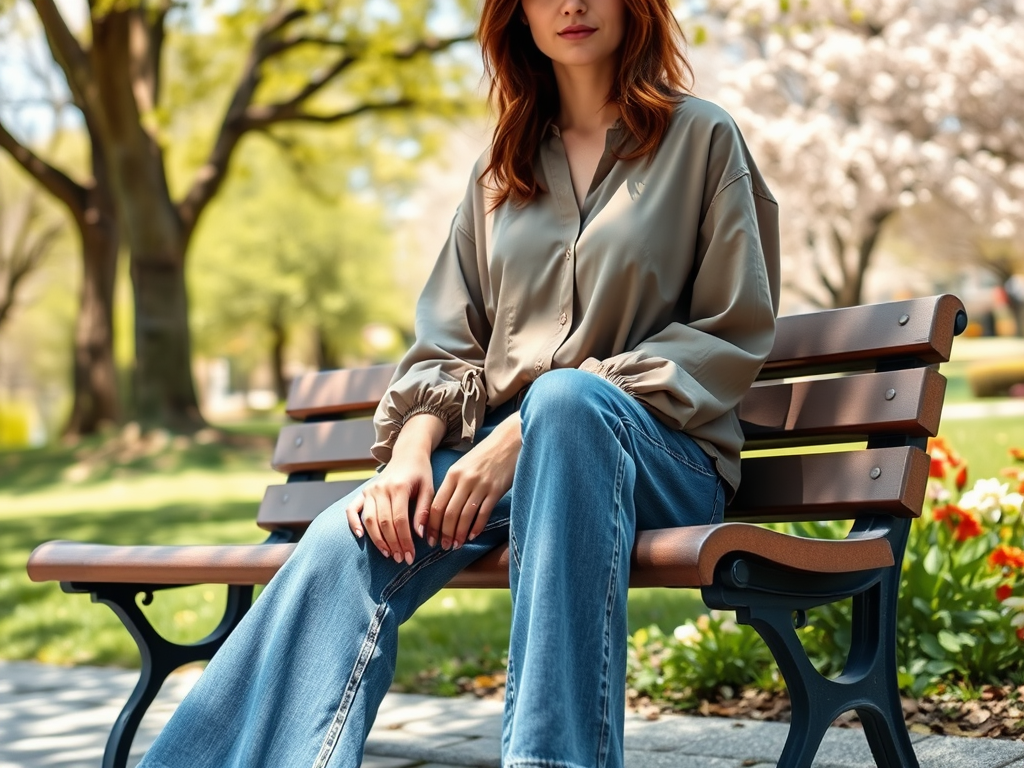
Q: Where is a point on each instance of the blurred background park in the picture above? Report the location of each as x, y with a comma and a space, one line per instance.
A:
201, 200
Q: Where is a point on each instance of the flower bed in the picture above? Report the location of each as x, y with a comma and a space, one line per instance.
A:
961, 611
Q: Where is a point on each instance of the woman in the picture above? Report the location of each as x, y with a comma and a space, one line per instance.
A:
606, 296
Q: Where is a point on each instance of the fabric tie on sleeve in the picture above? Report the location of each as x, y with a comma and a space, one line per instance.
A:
472, 393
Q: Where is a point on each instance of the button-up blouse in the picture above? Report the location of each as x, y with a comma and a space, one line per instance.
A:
665, 282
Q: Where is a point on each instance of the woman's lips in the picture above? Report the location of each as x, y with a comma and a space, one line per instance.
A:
576, 33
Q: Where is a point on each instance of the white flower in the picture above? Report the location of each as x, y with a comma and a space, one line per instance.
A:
687, 633
986, 498
1012, 503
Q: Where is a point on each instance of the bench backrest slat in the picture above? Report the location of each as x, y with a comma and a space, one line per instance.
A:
776, 413
824, 486
854, 338
844, 339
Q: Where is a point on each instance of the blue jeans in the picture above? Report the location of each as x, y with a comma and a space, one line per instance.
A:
298, 683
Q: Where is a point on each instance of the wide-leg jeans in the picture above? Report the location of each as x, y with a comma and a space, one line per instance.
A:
299, 682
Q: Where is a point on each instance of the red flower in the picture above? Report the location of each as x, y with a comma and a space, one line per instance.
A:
962, 522
1017, 454
961, 478
1020, 634
1005, 555
937, 469
1003, 591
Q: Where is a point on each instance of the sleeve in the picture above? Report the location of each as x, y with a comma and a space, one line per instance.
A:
442, 371
697, 369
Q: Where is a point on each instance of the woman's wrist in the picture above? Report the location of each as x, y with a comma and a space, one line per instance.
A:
422, 433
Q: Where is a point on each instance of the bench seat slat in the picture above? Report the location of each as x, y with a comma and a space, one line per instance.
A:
777, 413
681, 557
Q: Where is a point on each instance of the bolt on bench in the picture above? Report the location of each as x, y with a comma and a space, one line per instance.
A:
834, 377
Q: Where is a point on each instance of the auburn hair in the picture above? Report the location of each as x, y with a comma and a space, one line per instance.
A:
653, 73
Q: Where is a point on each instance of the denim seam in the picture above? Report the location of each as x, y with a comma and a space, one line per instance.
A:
603, 736
675, 454
368, 646
537, 762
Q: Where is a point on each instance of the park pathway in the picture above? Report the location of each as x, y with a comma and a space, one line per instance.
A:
55, 717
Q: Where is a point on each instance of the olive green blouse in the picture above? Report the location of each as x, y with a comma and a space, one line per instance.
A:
665, 282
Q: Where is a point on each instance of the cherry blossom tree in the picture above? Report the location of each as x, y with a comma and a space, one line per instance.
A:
858, 110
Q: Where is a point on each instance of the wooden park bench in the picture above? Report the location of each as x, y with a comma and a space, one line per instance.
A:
834, 377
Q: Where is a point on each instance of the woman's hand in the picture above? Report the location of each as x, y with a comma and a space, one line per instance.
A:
383, 510
474, 484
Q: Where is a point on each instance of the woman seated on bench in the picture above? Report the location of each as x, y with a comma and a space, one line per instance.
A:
605, 297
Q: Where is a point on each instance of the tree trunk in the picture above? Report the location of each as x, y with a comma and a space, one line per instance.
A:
277, 331
95, 379
164, 392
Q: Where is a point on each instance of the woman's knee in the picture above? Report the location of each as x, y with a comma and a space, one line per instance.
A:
568, 394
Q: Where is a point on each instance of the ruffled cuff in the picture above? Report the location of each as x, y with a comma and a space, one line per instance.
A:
593, 365
443, 401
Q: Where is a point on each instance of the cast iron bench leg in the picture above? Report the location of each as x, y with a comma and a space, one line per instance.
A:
868, 683
160, 657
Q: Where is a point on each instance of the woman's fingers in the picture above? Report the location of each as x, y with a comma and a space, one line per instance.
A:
482, 516
453, 513
437, 508
370, 523
352, 513
400, 525
421, 516
386, 521
467, 519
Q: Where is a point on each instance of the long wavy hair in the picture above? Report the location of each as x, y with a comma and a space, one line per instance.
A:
653, 73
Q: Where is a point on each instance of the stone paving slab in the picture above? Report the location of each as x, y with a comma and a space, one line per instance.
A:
52, 717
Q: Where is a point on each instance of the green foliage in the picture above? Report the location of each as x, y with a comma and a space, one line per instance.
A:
700, 659
276, 254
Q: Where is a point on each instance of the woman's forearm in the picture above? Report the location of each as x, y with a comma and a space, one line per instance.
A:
420, 434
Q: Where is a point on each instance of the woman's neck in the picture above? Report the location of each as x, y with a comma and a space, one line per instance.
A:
583, 96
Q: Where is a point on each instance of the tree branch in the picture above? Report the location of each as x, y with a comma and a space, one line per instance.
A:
56, 182
290, 110
25, 258
242, 117
233, 126
68, 54
805, 294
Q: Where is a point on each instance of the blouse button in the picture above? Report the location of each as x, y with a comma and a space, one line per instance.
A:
562, 318
537, 366
568, 253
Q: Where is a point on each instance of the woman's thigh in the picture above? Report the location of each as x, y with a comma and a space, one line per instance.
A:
674, 481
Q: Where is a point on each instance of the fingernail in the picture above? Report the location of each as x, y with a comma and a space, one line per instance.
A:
456, 544
472, 536
385, 553
408, 558
420, 530
445, 542
398, 557
431, 541
359, 533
